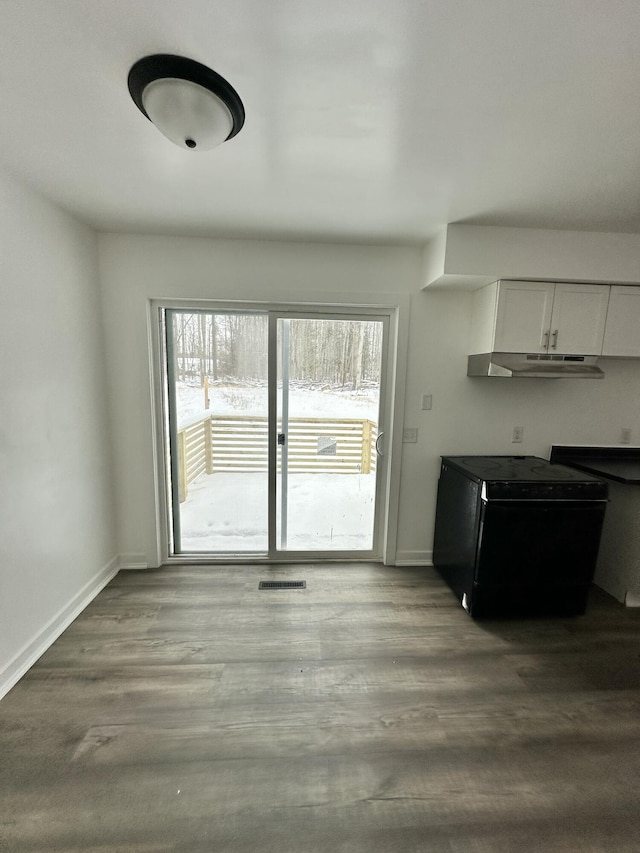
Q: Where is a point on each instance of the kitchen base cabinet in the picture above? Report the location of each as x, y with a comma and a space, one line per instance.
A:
618, 566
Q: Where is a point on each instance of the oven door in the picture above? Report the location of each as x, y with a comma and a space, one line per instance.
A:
537, 556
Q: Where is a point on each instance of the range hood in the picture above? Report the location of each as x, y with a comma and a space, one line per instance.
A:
534, 366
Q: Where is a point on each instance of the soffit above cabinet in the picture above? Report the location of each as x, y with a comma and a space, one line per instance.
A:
466, 257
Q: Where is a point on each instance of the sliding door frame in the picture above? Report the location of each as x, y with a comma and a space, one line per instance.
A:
395, 314
355, 315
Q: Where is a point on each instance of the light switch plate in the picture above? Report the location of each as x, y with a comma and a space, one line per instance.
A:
409, 435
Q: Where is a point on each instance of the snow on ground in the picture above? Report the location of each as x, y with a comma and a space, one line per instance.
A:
327, 512
235, 399
227, 512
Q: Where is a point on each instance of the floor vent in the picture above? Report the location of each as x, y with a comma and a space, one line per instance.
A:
282, 585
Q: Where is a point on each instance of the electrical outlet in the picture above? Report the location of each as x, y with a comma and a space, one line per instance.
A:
625, 435
516, 436
427, 400
409, 435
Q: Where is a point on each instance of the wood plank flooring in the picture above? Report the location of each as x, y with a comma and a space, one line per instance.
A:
184, 710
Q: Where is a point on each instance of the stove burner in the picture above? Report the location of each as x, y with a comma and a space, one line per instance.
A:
552, 472
480, 463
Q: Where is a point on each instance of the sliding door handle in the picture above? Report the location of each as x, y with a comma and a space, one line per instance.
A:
378, 451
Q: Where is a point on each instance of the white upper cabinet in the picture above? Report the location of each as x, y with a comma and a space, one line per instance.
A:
622, 333
578, 319
523, 316
539, 317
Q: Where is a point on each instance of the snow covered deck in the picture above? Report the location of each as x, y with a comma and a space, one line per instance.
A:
227, 513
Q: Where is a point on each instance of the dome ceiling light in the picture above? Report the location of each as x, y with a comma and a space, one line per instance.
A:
189, 103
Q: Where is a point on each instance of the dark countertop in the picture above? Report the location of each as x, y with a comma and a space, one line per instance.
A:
621, 464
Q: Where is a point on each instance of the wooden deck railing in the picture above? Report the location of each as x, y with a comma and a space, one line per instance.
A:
239, 443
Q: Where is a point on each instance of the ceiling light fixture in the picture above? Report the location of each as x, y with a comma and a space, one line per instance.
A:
189, 103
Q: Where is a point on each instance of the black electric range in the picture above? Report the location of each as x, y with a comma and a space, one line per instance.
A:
517, 535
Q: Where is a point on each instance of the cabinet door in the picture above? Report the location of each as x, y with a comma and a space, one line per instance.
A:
622, 332
523, 316
578, 319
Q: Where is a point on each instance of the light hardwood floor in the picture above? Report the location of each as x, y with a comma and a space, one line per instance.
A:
184, 710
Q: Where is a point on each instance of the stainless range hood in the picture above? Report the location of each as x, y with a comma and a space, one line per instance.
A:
534, 366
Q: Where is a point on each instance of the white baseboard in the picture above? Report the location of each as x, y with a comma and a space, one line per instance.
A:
414, 558
38, 645
133, 561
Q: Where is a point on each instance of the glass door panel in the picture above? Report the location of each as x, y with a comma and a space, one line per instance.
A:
217, 431
328, 411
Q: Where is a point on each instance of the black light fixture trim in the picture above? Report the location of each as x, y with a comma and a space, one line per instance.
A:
161, 66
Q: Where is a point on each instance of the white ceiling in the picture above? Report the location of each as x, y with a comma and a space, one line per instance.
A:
367, 120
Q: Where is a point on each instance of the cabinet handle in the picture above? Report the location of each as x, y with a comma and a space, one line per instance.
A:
554, 344
545, 340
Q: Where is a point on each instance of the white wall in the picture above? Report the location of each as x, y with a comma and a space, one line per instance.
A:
468, 415
57, 532
134, 269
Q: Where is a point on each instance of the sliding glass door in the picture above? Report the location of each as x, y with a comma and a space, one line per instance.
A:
329, 383
272, 430
217, 431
